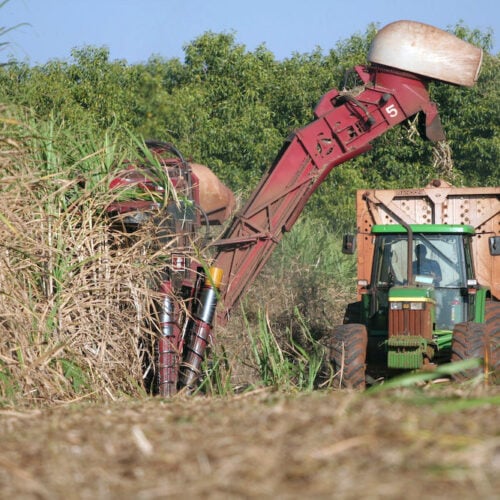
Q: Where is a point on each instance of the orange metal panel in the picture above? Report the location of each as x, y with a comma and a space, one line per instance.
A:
437, 203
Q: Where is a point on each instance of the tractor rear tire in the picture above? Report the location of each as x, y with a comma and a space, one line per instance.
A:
478, 340
347, 355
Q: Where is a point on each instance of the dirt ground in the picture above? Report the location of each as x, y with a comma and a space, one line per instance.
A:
441, 441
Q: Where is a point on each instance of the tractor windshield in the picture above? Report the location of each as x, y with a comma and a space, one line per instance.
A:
438, 256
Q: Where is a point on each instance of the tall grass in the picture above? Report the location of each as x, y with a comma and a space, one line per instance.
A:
298, 299
76, 299
75, 303
307, 273
289, 366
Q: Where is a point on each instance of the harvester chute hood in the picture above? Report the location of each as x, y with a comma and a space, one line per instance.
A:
427, 51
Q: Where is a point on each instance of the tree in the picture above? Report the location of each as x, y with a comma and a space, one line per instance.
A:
470, 118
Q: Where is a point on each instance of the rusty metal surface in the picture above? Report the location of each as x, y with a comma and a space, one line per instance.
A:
216, 199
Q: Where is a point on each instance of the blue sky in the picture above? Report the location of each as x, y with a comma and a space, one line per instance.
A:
136, 29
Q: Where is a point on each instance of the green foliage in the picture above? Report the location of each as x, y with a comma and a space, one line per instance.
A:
216, 377
310, 256
232, 109
9, 387
470, 118
74, 374
419, 377
289, 366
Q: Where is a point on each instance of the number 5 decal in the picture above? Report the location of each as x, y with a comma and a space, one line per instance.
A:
392, 111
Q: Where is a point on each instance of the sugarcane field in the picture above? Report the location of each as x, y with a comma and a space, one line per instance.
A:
232, 274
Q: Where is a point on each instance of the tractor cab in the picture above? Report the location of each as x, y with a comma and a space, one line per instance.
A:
422, 284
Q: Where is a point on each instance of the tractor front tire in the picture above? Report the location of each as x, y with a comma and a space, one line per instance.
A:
478, 340
492, 330
467, 343
347, 355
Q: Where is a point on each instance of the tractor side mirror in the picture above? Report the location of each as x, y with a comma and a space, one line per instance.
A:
348, 244
494, 245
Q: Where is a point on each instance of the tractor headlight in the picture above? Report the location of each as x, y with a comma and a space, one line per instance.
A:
413, 306
416, 306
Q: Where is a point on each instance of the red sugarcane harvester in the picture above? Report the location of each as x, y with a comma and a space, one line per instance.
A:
404, 57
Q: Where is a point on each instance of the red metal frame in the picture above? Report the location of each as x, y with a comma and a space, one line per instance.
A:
345, 126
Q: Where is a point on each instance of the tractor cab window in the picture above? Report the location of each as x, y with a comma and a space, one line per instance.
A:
440, 257
389, 269
424, 266
390, 260
445, 262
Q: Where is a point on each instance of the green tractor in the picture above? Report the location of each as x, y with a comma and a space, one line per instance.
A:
428, 287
